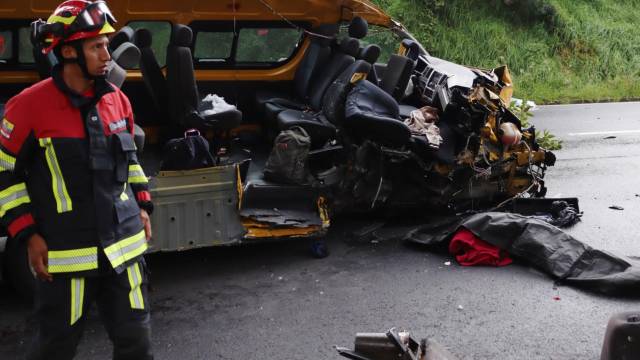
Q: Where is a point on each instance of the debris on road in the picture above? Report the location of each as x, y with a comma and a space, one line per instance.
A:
543, 246
616, 207
394, 345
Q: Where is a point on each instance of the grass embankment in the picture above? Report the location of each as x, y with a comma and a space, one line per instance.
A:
559, 51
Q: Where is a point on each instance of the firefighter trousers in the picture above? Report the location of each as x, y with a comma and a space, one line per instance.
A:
61, 307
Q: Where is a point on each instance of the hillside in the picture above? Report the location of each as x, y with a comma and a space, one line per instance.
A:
558, 50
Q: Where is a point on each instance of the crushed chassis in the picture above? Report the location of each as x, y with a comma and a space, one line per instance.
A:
472, 170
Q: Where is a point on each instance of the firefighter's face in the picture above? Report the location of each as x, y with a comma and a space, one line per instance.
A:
96, 54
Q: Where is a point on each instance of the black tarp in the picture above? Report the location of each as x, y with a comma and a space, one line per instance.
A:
542, 246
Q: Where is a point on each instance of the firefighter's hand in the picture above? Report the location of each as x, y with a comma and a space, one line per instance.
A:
146, 221
38, 257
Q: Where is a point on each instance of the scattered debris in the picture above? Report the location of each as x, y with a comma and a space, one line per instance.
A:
460, 307
366, 234
616, 207
609, 137
394, 345
531, 240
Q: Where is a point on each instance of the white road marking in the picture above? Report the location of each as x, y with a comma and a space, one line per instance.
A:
605, 132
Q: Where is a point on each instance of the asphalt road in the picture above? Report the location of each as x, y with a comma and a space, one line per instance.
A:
271, 301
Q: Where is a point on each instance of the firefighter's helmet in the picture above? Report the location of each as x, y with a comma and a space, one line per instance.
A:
74, 20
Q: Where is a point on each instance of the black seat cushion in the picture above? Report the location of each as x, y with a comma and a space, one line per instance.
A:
372, 114
404, 110
317, 126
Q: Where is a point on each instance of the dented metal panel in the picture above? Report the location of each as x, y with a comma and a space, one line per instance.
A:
195, 208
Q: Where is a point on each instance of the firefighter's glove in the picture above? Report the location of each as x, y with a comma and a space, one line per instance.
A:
146, 221
38, 257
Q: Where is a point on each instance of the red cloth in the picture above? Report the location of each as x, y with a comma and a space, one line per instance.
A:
471, 250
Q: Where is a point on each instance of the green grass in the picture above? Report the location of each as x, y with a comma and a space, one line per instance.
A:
558, 50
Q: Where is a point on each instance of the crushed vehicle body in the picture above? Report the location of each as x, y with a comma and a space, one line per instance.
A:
380, 129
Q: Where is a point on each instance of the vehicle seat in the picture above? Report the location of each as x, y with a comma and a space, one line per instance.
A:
185, 105
152, 75
371, 113
410, 49
396, 76
317, 54
370, 54
341, 57
322, 126
358, 28
125, 34
125, 57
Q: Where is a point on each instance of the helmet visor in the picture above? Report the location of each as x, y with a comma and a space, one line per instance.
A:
93, 17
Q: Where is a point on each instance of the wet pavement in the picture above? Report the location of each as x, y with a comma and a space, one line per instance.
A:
272, 301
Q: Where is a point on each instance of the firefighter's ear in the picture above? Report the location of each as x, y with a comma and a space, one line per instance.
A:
68, 52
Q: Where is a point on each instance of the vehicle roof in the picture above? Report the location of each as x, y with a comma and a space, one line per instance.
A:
185, 11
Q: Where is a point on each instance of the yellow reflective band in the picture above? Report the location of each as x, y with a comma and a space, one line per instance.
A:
135, 280
77, 299
126, 249
64, 261
12, 197
59, 19
136, 175
63, 200
7, 162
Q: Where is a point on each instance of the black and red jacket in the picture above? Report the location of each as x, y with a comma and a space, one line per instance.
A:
69, 171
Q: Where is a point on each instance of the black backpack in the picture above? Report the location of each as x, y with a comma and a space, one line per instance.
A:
187, 153
287, 162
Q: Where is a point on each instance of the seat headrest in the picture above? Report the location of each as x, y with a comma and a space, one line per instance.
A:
121, 36
324, 30
350, 46
116, 74
370, 53
142, 38
358, 27
127, 55
412, 49
181, 35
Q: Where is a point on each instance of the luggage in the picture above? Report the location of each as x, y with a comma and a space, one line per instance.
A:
287, 162
187, 153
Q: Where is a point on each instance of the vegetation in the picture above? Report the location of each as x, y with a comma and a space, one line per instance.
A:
558, 50
545, 139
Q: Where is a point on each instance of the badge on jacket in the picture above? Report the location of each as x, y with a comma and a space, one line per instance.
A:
6, 129
118, 125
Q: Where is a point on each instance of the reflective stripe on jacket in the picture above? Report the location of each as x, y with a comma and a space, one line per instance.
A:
73, 181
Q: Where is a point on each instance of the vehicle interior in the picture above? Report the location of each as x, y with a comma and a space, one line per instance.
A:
341, 70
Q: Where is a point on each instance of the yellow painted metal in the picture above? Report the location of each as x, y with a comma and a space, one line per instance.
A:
258, 229
313, 12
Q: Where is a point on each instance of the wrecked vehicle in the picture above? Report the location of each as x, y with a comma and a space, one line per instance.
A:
395, 132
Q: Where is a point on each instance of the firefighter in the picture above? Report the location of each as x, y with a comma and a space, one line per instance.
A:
72, 188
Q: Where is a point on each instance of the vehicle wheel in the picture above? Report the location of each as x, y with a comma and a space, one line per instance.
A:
319, 249
16, 269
